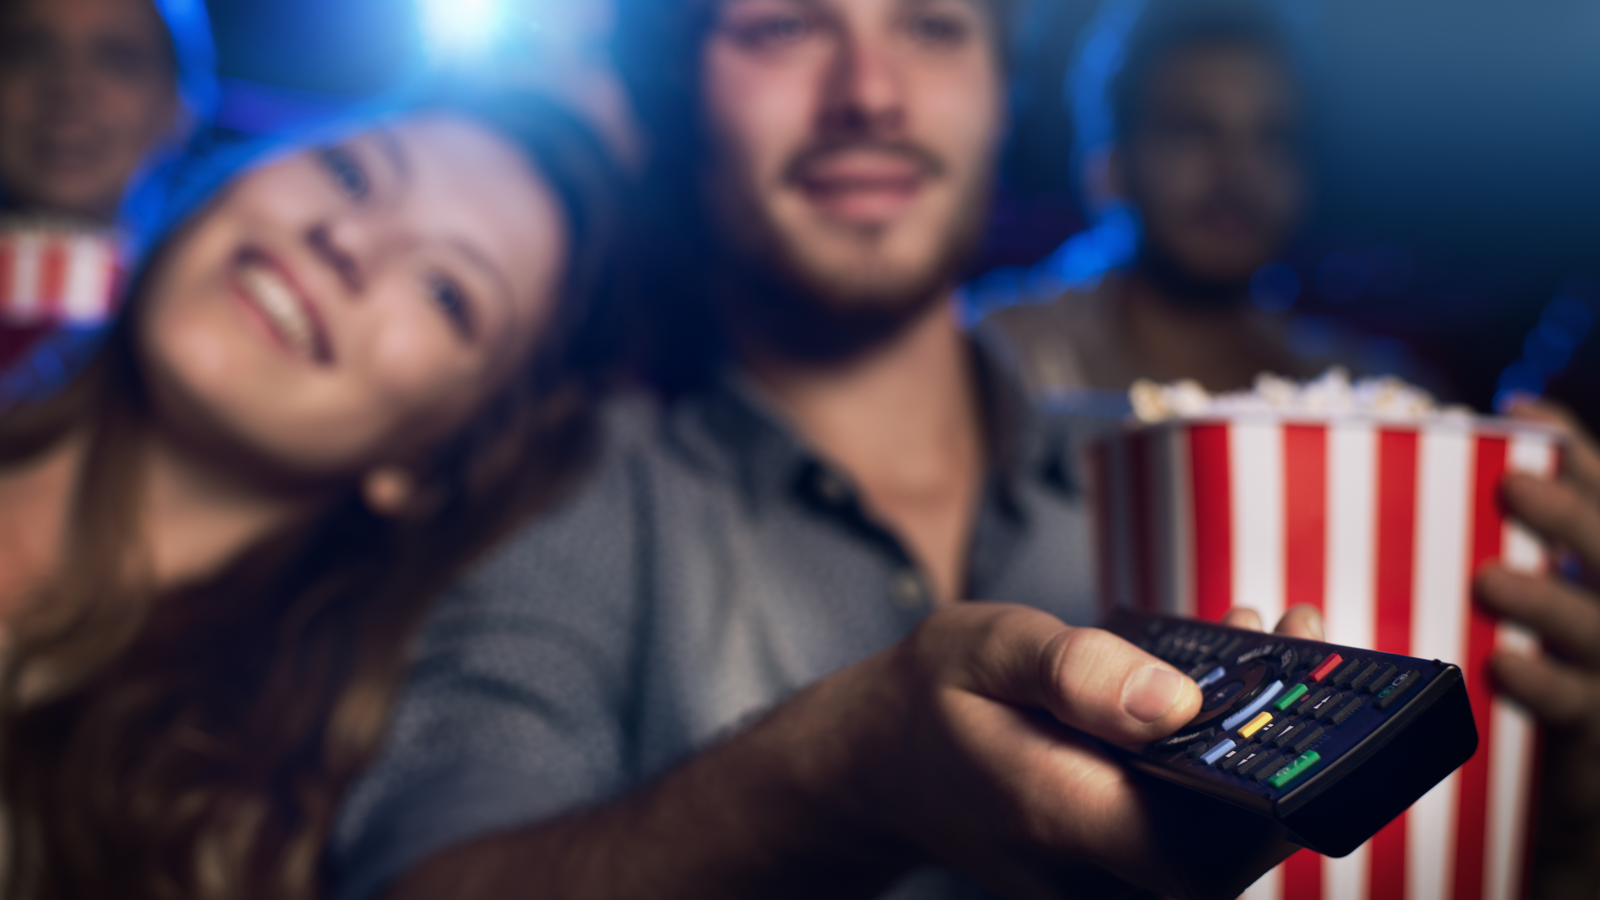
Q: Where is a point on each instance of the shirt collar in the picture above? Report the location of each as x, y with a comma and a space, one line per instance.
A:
730, 424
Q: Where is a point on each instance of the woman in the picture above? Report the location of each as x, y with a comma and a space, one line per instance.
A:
335, 383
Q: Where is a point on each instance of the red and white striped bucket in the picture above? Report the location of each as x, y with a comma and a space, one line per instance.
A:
1382, 526
51, 278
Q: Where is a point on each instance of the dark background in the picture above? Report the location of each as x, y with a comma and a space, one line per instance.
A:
1464, 134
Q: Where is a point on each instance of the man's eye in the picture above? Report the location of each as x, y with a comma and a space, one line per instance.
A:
347, 172
452, 301
770, 32
939, 30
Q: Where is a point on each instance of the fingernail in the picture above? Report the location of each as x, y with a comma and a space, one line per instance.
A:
1151, 692
1318, 629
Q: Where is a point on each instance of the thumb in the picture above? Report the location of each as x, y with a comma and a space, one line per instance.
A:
1089, 679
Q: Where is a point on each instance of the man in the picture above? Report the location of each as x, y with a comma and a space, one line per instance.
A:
88, 90
1207, 112
735, 664
1208, 119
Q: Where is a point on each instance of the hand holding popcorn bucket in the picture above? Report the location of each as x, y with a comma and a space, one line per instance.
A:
1373, 506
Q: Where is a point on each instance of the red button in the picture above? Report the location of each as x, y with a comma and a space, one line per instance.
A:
1326, 667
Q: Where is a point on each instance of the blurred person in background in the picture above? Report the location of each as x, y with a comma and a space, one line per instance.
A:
89, 90
349, 362
1209, 154
738, 664
92, 92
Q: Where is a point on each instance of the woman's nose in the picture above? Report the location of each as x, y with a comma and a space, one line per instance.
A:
340, 250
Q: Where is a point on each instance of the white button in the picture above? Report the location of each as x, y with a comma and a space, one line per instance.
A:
908, 590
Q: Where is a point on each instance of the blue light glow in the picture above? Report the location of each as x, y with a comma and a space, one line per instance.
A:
458, 29
1548, 348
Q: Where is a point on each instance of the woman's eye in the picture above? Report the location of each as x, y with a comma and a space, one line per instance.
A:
347, 172
939, 30
451, 300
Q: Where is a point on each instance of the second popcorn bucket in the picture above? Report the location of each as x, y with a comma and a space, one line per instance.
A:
1372, 506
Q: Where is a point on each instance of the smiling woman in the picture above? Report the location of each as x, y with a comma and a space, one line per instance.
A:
339, 378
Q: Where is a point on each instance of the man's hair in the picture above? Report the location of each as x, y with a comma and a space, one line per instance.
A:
1170, 28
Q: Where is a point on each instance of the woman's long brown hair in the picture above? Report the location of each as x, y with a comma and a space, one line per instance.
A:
195, 743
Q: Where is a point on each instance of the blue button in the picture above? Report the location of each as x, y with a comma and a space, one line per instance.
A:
1211, 677
1244, 715
1218, 752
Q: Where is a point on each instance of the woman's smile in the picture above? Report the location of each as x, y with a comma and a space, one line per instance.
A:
271, 294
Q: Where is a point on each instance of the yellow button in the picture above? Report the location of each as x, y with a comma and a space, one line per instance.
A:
1255, 725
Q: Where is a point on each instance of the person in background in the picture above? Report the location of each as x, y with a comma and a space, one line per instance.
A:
740, 663
89, 91
92, 92
1209, 117
348, 363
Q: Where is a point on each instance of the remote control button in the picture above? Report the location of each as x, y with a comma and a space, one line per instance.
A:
1196, 749
1295, 693
1254, 756
1182, 741
1233, 758
1255, 725
1253, 707
1321, 671
1231, 647
1222, 695
1314, 660
1300, 766
1380, 680
1365, 676
1288, 661
1212, 677
1218, 752
1327, 705
1264, 769
1348, 672
1346, 711
1310, 702
1290, 732
1307, 739
1266, 734
1262, 652
1397, 688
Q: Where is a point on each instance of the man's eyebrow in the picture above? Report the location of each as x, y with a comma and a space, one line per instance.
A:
395, 153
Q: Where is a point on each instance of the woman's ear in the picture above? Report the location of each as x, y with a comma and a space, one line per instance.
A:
388, 490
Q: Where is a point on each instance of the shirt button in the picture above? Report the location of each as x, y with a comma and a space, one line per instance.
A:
832, 488
908, 591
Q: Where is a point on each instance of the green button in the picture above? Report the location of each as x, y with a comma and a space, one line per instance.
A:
1294, 694
1295, 769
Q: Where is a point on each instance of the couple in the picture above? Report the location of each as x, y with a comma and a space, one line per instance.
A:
731, 662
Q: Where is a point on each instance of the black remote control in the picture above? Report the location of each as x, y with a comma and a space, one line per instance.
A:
1330, 742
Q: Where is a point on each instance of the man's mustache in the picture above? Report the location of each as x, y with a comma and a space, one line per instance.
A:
927, 163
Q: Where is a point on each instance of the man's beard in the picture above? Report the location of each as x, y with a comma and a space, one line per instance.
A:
776, 301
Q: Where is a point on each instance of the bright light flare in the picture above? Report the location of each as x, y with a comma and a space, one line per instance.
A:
458, 29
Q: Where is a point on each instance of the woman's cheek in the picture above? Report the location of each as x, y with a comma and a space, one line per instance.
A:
417, 367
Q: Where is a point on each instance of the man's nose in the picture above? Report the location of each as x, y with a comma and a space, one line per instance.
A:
865, 95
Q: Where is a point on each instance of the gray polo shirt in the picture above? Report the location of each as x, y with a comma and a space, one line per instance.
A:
711, 567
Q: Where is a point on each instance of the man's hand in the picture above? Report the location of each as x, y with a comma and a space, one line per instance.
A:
1561, 683
986, 768
963, 746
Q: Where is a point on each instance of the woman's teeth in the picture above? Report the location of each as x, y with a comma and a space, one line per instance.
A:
277, 301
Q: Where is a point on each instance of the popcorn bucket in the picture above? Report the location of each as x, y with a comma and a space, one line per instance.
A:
51, 279
1381, 524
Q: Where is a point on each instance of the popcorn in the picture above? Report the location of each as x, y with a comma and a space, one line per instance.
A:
1332, 395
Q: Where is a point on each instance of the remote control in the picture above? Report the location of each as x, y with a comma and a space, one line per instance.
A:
1330, 742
